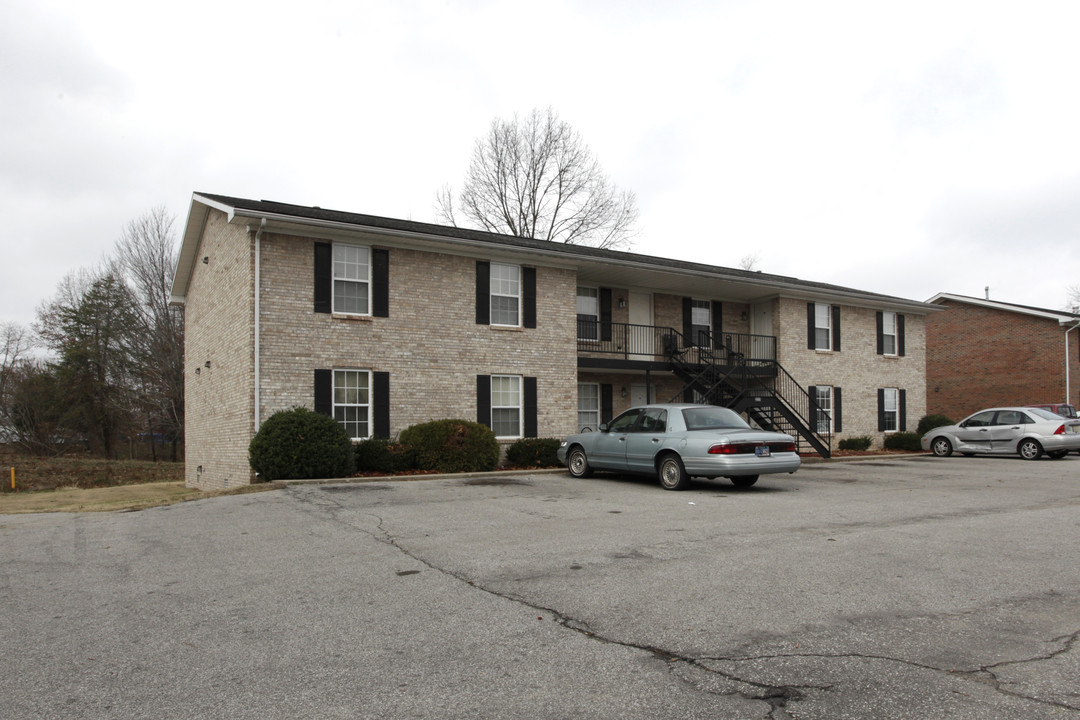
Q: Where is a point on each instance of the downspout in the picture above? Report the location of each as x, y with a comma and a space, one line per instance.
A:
258, 323
1068, 384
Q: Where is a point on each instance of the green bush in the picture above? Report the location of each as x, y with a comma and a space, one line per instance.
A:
452, 446
300, 443
929, 422
534, 452
863, 442
903, 441
383, 456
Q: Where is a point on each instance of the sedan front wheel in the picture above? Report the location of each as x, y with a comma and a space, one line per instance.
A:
578, 463
941, 447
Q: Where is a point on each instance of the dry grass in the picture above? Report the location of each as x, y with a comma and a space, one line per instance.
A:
86, 484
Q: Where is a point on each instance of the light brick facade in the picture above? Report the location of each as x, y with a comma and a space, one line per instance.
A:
432, 346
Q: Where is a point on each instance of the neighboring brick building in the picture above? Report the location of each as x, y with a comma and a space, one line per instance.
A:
385, 323
984, 353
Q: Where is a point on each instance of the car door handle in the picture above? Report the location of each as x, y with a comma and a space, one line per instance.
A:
656, 439
984, 430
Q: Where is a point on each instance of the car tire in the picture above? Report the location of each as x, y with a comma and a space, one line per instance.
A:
578, 463
1030, 449
941, 447
1057, 454
743, 480
672, 473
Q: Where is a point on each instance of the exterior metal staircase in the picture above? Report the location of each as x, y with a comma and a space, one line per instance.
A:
723, 371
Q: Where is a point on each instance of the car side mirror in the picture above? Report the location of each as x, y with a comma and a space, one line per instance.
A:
603, 427
963, 424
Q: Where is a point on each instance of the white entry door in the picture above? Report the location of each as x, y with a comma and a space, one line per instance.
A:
641, 337
761, 323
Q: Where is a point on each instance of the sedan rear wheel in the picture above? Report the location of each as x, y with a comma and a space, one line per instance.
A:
744, 480
941, 447
578, 463
672, 473
1030, 449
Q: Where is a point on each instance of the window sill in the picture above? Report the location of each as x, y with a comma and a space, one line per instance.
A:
507, 328
352, 318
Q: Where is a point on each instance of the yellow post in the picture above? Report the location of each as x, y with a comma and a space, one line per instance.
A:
12, 478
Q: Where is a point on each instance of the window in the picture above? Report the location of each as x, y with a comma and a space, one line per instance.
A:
506, 405
588, 406
588, 313
701, 322
823, 397
654, 420
625, 422
352, 284
352, 402
822, 326
505, 294
888, 333
891, 409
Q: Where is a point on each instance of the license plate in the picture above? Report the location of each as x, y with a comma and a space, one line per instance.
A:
762, 451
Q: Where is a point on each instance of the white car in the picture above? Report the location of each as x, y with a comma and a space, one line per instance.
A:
1028, 432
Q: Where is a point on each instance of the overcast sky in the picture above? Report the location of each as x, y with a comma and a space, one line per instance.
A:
905, 148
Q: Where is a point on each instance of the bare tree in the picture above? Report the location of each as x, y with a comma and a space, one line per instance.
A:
749, 262
536, 178
146, 253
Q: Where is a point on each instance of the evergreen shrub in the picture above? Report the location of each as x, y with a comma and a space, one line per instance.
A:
863, 442
452, 446
903, 441
534, 452
929, 422
300, 444
383, 456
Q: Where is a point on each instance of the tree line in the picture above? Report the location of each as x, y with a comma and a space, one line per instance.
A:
101, 368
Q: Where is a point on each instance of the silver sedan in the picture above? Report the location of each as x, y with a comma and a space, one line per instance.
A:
1029, 432
677, 442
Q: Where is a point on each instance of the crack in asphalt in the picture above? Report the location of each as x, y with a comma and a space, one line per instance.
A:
776, 696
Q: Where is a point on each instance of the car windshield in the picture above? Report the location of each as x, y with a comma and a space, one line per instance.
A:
1044, 414
712, 418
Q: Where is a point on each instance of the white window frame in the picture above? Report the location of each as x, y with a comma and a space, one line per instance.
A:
818, 327
889, 334
504, 288
595, 314
513, 385
351, 271
700, 309
352, 405
892, 396
824, 402
592, 390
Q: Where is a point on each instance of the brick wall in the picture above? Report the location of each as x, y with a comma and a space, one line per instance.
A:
430, 344
857, 368
218, 330
979, 357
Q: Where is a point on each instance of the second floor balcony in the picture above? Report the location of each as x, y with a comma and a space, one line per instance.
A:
652, 343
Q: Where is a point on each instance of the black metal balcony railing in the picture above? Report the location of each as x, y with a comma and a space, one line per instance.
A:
650, 342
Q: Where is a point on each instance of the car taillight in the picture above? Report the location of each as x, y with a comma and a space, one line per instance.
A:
782, 447
733, 449
1060, 430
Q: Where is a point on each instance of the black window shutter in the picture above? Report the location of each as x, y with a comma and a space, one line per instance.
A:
483, 294
324, 392
836, 328
530, 409
324, 268
381, 392
880, 333
717, 323
814, 407
606, 405
881, 410
605, 314
837, 415
903, 411
380, 283
528, 311
900, 335
688, 320
483, 399
811, 335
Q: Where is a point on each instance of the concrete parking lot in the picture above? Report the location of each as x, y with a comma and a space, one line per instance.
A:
909, 588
